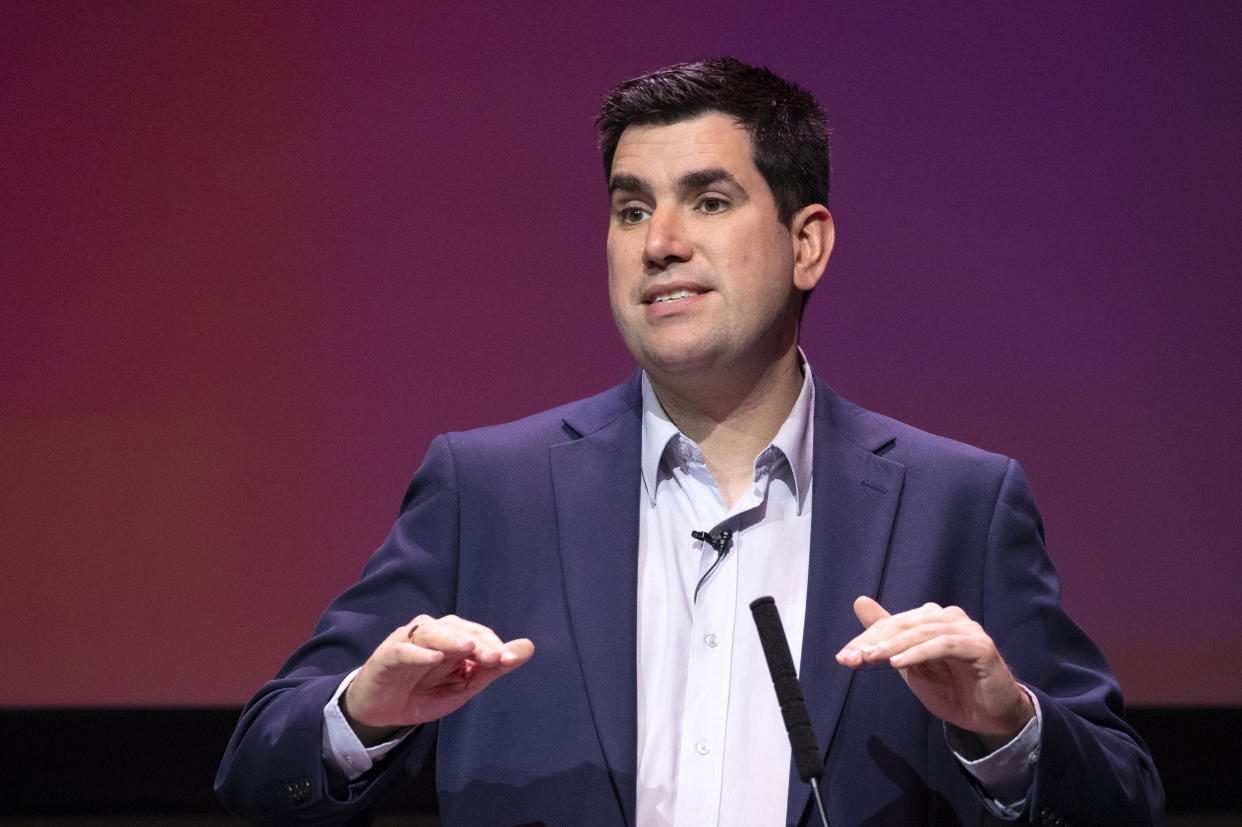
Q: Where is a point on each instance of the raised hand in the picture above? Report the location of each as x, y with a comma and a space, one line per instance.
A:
950, 664
423, 671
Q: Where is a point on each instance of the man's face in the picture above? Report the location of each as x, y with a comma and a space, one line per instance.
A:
700, 267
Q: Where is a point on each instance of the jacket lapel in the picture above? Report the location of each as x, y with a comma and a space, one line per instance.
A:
855, 502
595, 480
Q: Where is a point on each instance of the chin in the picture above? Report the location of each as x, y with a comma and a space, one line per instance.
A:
679, 361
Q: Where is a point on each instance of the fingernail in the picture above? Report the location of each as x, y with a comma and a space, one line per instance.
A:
507, 657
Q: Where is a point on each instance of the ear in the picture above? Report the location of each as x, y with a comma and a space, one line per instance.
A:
813, 235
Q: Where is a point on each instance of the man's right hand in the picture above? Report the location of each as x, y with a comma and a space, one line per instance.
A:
423, 671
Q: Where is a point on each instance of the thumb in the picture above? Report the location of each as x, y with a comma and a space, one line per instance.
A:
868, 611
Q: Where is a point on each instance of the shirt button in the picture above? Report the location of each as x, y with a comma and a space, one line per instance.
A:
702, 748
710, 640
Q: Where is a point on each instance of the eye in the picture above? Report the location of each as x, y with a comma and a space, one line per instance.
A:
711, 205
632, 214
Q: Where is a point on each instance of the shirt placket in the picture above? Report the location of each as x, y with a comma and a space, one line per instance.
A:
709, 666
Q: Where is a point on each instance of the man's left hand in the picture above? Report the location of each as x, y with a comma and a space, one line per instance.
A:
950, 664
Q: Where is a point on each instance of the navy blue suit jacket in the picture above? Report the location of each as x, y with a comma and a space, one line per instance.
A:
530, 528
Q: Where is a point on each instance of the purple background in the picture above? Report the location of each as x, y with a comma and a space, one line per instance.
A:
256, 255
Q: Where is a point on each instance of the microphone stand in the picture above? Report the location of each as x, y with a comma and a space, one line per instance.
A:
789, 696
819, 802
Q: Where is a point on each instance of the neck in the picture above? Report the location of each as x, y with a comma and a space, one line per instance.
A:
732, 421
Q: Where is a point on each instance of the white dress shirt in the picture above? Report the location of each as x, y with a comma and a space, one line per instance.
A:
712, 748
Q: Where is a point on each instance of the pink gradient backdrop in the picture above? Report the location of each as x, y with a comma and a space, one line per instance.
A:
256, 255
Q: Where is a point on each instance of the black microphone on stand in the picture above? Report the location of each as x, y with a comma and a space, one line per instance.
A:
789, 696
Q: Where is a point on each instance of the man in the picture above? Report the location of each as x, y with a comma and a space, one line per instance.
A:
625, 534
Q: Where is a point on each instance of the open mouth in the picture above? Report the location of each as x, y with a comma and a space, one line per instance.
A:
674, 296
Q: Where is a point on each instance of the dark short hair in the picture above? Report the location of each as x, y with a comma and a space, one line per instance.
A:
787, 128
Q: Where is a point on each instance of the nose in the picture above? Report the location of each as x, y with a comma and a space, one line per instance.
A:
666, 239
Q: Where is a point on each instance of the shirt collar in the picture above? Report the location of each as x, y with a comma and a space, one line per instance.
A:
794, 441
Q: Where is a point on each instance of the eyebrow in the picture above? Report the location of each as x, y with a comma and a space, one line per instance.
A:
695, 179
627, 183
699, 178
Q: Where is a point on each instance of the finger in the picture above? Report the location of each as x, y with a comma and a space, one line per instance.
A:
876, 642
887, 624
487, 644
898, 639
869, 611
964, 646
460, 638
435, 635
478, 674
405, 647
516, 652
510, 656
884, 626
395, 651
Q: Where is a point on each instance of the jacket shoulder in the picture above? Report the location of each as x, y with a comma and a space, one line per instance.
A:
919, 450
553, 426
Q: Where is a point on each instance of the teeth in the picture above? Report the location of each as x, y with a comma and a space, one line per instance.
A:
680, 294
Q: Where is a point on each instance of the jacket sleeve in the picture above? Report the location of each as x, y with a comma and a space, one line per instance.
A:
273, 770
1092, 768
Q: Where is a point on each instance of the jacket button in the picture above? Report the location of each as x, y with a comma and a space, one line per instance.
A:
298, 792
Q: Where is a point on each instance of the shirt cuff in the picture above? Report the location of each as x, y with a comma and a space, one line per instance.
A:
343, 752
1005, 775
